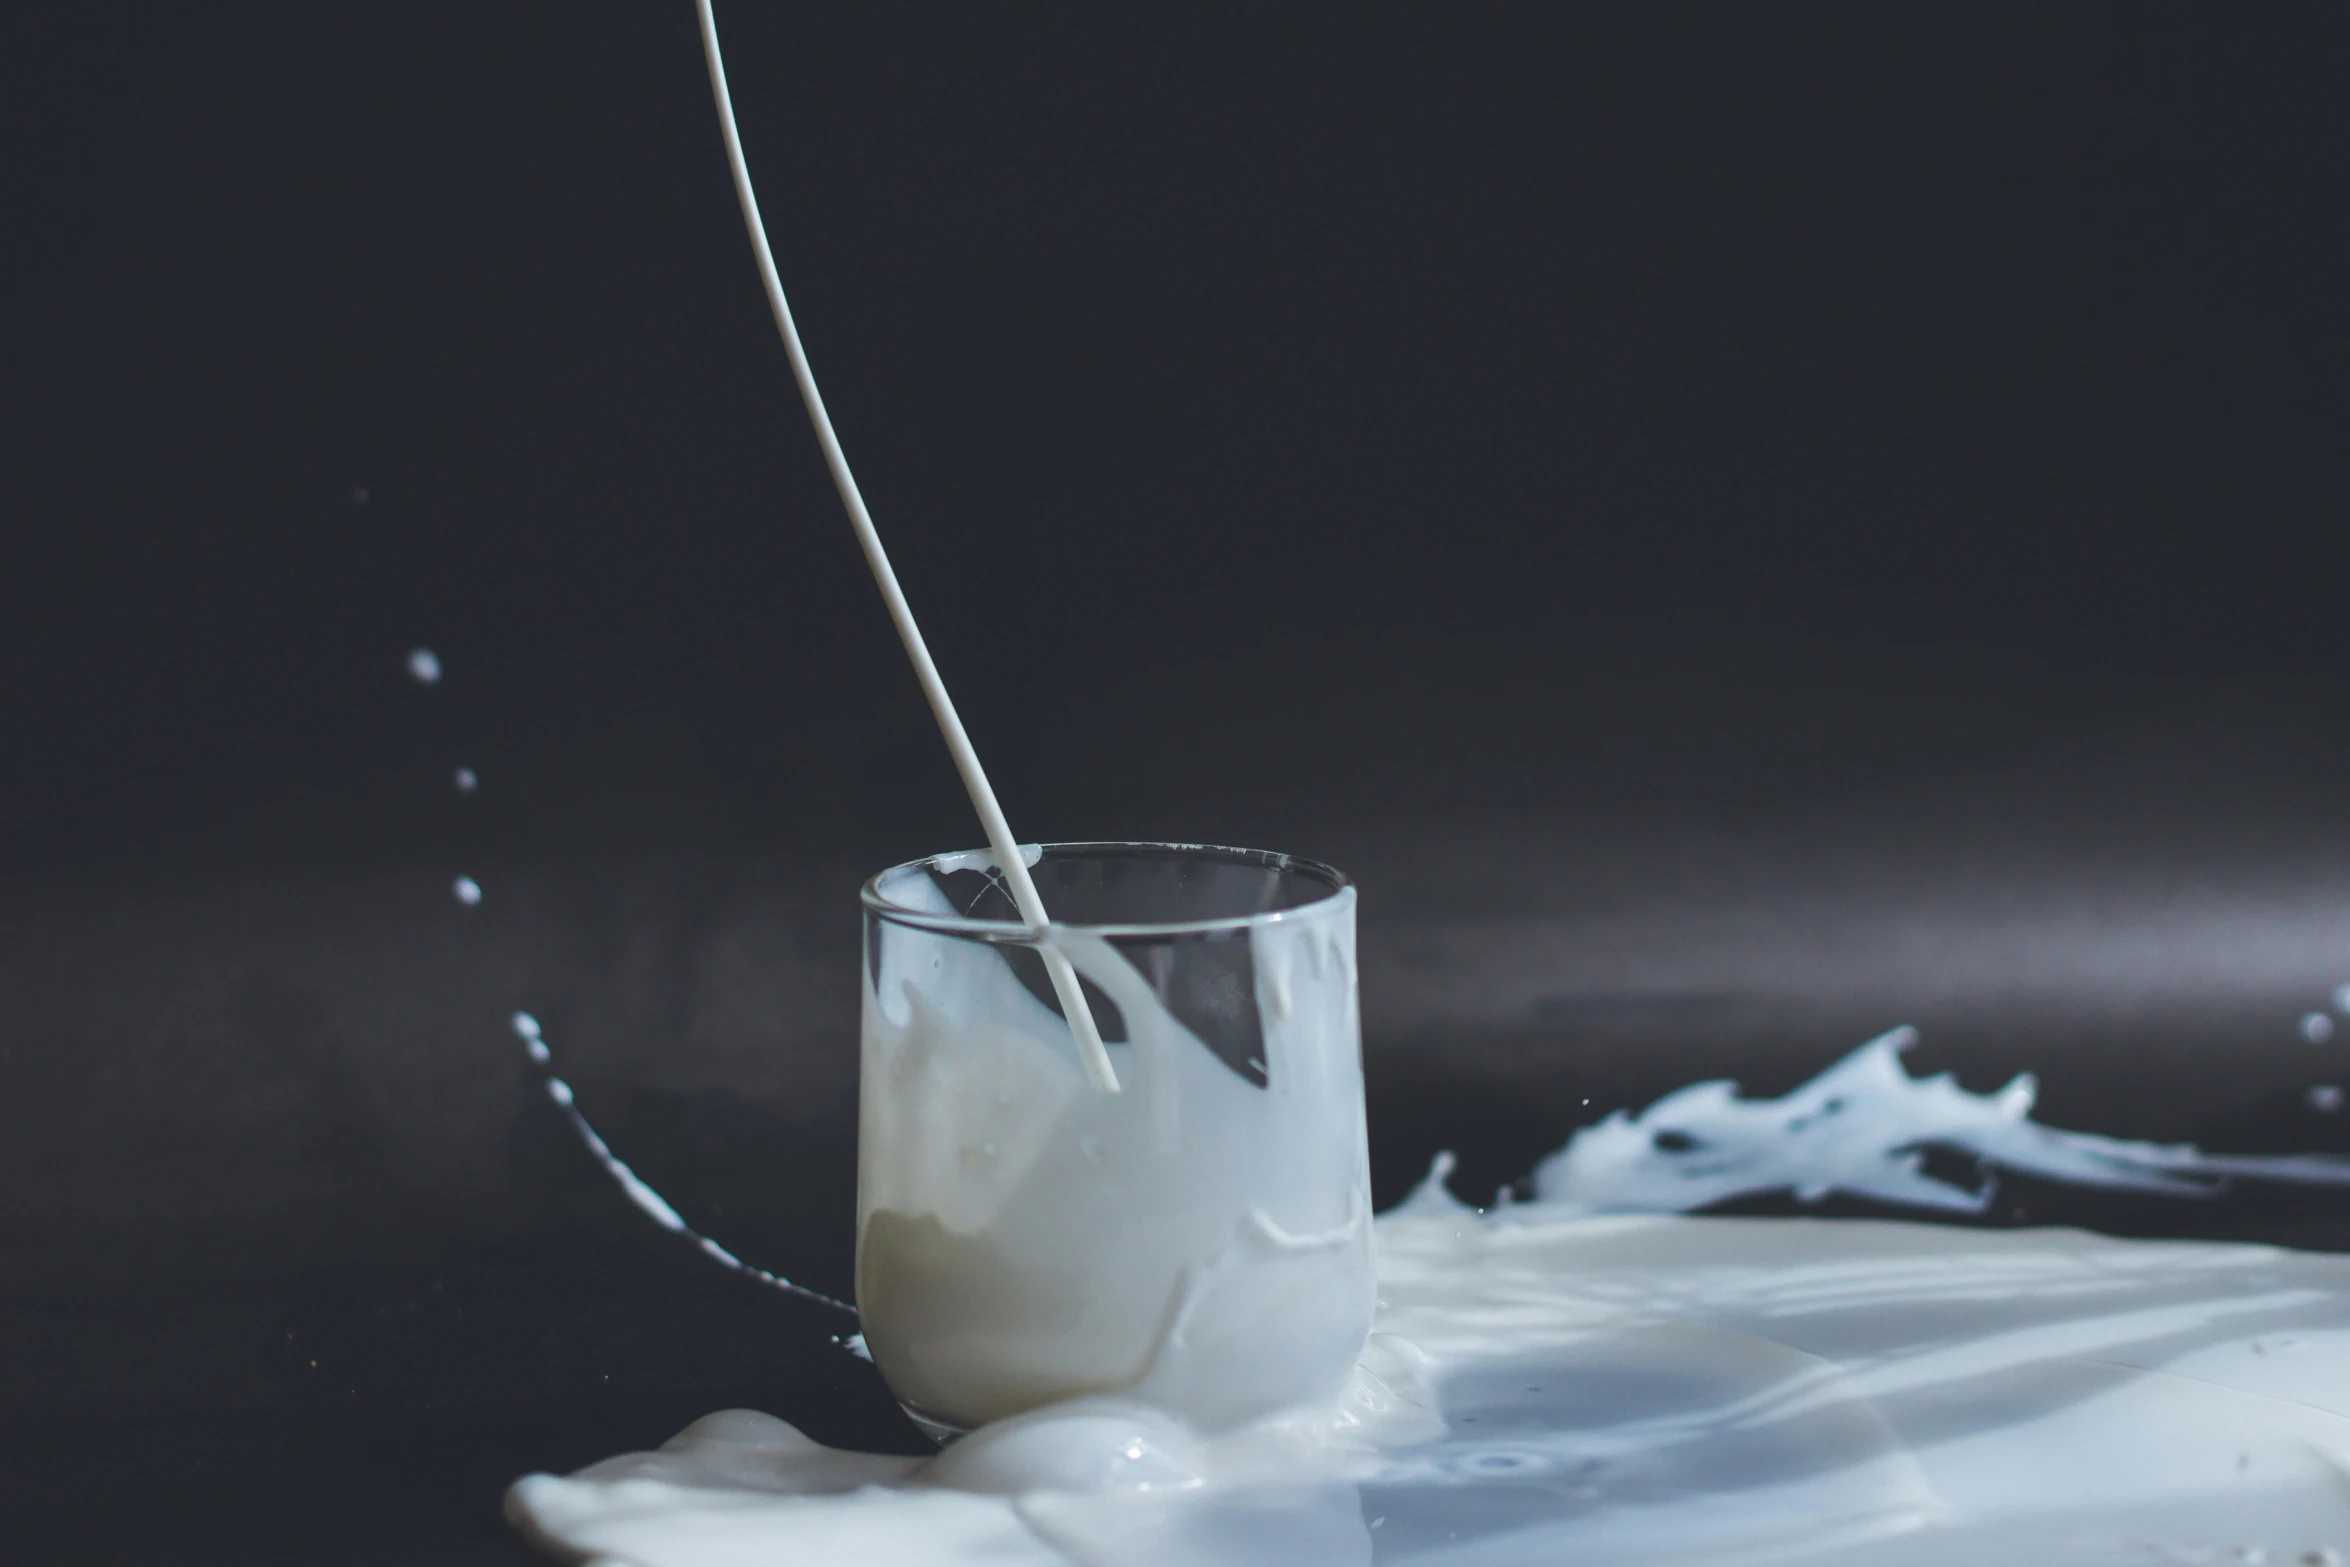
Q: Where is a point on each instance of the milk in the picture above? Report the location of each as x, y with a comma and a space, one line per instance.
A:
1595, 1392
1156, 1304
1199, 1240
1585, 1379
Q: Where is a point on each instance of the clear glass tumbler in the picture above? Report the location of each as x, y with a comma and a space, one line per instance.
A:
1199, 1240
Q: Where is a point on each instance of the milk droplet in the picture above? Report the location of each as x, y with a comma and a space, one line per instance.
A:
467, 781
2317, 1028
527, 1027
2324, 1098
424, 666
467, 889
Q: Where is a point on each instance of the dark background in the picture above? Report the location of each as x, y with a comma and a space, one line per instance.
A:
1741, 526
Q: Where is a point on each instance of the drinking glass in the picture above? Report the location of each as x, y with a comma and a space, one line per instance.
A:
1199, 1239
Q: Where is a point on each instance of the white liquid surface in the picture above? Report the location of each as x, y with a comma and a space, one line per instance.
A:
1556, 1383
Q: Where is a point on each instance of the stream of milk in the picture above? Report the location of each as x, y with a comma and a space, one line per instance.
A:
1593, 1377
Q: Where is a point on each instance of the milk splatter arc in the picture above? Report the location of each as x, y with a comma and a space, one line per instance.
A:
648, 1201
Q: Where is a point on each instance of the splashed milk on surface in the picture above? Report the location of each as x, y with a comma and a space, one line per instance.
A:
1587, 1378
1558, 1389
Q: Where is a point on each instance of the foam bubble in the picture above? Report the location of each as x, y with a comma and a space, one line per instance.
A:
467, 889
467, 780
424, 666
2316, 1027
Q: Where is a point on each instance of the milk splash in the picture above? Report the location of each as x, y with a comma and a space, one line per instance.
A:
1577, 1391
1597, 1377
648, 1201
425, 668
1862, 1128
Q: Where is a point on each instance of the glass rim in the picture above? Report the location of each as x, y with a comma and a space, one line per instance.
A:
1339, 890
